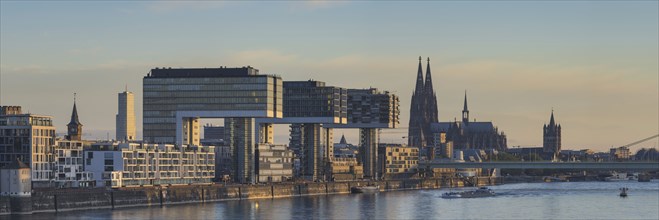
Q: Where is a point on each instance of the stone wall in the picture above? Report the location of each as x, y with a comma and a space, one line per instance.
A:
79, 199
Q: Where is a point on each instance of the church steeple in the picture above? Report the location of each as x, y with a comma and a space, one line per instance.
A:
465, 111
428, 84
343, 140
419, 80
551, 120
74, 128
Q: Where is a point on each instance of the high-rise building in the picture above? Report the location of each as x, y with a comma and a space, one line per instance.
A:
370, 110
423, 110
74, 128
125, 119
175, 100
551, 141
29, 138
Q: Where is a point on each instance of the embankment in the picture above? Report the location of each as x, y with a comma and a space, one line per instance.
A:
82, 199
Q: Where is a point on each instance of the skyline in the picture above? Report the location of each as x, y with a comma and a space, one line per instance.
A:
594, 63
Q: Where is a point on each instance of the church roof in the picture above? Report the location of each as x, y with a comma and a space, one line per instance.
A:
343, 140
74, 115
469, 127
16, 164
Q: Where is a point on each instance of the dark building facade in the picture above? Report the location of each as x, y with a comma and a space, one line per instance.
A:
467, 134
423, 110
551, 136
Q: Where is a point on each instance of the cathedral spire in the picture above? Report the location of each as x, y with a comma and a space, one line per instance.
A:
419, 79
428, 84
465, 111
343, 140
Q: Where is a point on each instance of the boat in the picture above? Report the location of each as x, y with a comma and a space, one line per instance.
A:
617, 177
644, 177
365, 189
623, 192
480, 192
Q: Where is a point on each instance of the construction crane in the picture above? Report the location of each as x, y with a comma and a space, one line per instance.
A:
641, 141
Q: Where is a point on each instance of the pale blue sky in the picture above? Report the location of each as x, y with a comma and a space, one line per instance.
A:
594, 62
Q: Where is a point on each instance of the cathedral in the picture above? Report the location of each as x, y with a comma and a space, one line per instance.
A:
423, 110
467, 134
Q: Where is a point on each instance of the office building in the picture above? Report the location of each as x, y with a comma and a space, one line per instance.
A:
125, 119
213, 132
175, 100
370, 110
29, 138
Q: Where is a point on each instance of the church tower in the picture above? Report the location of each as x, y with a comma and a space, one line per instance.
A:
431, 111
415, 135
465, 111
423, 110
551, 136
74, 128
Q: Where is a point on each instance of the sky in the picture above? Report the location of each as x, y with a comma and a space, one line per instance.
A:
595, 63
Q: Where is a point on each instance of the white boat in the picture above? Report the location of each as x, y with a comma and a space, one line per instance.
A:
365, 189
617, 177
480, 192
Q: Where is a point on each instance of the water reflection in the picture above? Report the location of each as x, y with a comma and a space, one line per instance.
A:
594, 200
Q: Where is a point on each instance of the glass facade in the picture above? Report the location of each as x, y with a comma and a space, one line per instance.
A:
167, 91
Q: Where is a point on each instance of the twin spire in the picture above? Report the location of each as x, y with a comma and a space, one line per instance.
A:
421, 85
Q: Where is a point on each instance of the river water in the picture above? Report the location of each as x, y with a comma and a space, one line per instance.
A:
571, 200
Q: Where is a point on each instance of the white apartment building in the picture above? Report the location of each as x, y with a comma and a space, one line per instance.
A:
69, 167
116, 164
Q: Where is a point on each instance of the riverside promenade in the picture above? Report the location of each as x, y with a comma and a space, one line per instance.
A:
45, 201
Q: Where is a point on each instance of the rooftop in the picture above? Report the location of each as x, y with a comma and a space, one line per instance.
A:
202, 72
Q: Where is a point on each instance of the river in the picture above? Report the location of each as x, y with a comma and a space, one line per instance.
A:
568, 200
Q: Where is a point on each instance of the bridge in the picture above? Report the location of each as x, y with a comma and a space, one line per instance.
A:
546, 165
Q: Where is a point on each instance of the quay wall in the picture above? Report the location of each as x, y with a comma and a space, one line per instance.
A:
59, 200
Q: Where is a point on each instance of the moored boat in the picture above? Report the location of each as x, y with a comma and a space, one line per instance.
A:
365, 189
480, 192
